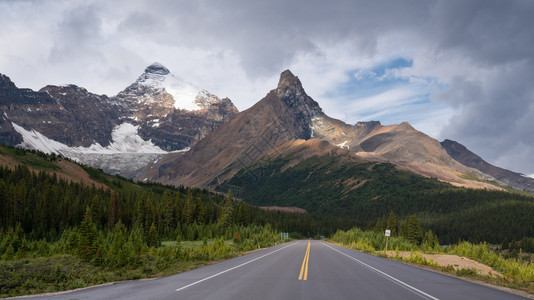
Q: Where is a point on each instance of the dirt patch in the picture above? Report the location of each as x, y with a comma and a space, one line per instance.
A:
8, 162
290, 209
69, 171
354, 183
76, 173
457, 262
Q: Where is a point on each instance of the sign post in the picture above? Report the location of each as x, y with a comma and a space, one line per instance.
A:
388, 233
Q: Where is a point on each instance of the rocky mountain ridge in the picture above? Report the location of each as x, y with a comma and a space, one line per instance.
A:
463, 155
287, 113
156, 114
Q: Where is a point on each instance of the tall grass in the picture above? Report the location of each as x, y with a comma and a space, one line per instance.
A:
30, 267
512, 268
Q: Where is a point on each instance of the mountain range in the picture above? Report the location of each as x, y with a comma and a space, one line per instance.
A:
287, 117
155, 115
162, 129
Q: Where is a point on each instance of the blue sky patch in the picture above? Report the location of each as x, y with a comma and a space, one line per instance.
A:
364, 83
399, 63
385, 94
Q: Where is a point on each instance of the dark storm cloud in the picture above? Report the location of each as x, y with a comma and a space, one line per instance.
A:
77, 34
489, 32
141, 22
267, 35
496, 37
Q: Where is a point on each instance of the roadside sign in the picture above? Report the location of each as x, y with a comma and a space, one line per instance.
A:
388, 234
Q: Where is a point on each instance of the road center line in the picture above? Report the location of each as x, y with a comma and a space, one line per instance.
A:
233, 268
385, 274
304, 268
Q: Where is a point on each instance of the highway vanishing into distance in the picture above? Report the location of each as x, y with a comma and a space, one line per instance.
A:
298, 270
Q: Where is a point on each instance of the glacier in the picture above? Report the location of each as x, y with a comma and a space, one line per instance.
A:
125, 139
126, 155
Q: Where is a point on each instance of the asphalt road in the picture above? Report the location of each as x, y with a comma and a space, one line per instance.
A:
298, 270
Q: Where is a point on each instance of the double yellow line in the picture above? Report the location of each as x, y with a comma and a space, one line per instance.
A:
304, 269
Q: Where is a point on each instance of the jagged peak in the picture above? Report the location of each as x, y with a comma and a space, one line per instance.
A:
288, 80
448, 141
287, 74
370, 124
72, 87
450, 144
157, 68
292, 93
5, 81
405, 125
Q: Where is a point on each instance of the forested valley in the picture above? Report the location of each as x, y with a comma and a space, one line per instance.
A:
58, 234
322, 185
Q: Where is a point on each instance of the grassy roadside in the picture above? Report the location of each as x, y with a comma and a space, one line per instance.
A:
511, 273
30, 276
523, 287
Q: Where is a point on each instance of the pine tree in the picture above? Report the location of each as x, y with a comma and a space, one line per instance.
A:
87, 237
226, 213
412, 230
393, 223
241, 213
188, 213
430, 241
168, 216
381, 224
136, 238
152, 238
118, 252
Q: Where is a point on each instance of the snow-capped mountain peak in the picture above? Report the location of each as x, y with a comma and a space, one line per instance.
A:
157, 68
157, 79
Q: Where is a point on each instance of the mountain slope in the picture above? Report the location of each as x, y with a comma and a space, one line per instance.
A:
326, 180
66, 170
288, 113
463, 155
283, 114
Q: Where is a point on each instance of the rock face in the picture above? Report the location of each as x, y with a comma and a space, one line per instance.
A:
173, 114
288, 113
156, 114
463, 155
69, 114
80, 118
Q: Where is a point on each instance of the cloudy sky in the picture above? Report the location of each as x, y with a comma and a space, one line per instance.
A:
462, 70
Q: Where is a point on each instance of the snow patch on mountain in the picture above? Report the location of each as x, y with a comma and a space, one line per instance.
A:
185, 95
125, 140
36, 141
343, 145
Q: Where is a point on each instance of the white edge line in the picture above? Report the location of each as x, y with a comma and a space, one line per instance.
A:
228, 270
387, 275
